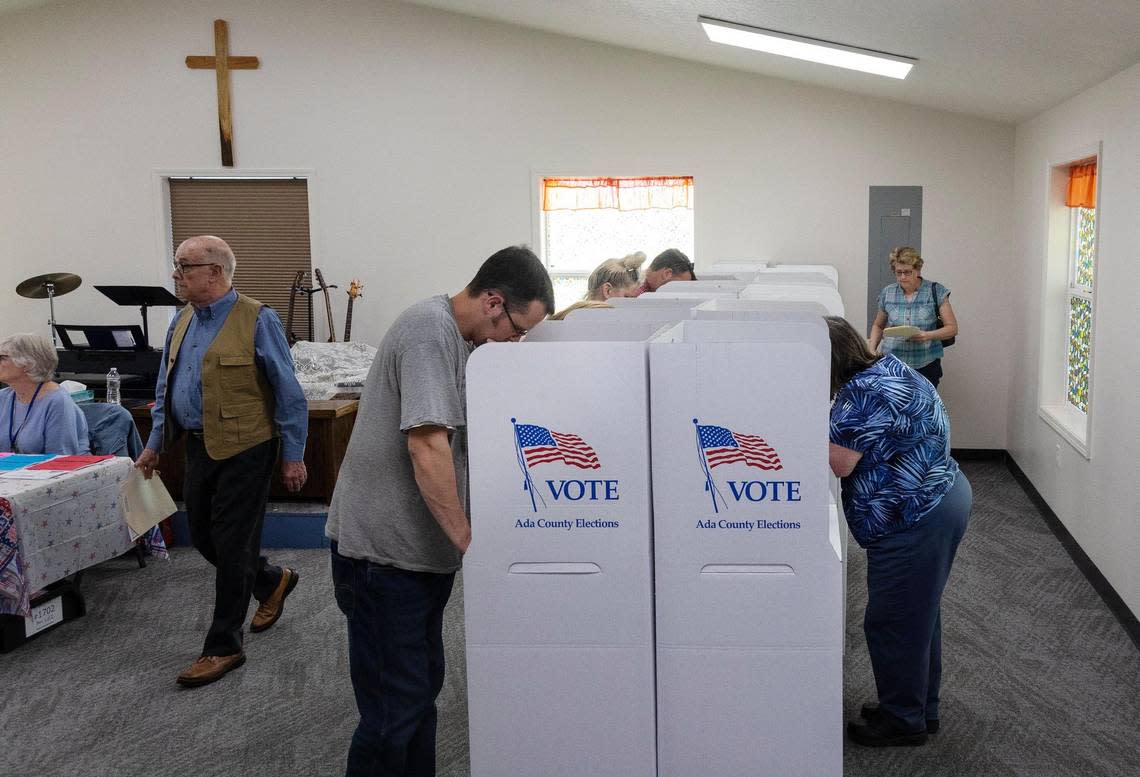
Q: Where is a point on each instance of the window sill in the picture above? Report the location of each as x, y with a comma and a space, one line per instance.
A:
1068, 422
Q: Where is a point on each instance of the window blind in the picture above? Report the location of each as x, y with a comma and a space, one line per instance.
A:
265, 221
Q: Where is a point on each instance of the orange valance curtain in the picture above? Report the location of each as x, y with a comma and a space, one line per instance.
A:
1082, 186
617, 193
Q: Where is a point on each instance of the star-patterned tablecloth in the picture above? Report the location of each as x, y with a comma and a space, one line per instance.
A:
50, 529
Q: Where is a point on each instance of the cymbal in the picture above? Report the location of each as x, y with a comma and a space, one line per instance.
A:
36, 288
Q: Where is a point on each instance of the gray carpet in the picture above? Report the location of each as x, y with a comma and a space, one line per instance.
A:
1040, 678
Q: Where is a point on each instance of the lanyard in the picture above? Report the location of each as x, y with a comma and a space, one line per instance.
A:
12, 417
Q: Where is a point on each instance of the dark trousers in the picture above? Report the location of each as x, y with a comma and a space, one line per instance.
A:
932, 372
225, 507
395, 660
906, 573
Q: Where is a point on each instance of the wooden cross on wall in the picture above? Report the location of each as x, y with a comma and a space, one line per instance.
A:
222, 63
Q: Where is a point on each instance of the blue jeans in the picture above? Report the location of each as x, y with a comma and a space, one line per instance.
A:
395, 659
906, 573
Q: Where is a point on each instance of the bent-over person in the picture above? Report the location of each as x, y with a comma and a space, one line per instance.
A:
398, 518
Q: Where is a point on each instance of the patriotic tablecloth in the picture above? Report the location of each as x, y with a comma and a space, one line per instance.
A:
50, 529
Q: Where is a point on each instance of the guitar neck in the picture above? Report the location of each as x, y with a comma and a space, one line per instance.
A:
348, 320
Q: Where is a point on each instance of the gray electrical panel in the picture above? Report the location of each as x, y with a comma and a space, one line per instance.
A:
895, 220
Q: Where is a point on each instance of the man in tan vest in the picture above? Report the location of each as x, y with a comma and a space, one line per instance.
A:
227, 381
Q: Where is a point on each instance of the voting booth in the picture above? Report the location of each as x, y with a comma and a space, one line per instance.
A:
825, 295
774, 311
744, 309
678, 290
650, 301
558, 589
727, 276
826, 269
738, 265
708, 284
747, 561
793, 278
659, 315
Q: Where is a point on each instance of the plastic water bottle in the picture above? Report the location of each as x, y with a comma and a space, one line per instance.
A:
113, 386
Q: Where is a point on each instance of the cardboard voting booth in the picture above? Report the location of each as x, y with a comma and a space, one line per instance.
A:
709, 284
738, 265
749, 606
558, 586
727, 276
827, 296
743, 309
650, 301
679, 290
659, 315
595, 329
827, 269
793, 278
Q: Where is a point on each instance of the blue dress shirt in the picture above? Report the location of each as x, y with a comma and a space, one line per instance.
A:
271, 355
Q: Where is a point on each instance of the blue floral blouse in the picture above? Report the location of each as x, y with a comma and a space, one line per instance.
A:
895, 418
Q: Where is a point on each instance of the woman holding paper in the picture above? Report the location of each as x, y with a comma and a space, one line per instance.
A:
36, 416
907, 504
909, 311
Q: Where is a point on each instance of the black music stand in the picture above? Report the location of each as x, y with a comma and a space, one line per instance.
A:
143, 296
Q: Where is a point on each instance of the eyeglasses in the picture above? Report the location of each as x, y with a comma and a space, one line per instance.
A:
519, 331
182, 267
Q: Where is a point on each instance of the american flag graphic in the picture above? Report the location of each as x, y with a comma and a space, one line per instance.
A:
540, 445
724, 446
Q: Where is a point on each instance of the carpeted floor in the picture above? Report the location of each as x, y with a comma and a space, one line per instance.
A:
1040, 678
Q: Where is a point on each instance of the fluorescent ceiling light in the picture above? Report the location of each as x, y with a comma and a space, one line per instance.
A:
799, 47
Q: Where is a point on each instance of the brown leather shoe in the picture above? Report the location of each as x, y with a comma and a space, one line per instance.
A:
270, 610
207, 669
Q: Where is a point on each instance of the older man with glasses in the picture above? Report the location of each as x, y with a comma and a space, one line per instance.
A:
398, 518
227, 381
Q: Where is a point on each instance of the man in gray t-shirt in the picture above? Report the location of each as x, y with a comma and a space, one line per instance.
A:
398, 518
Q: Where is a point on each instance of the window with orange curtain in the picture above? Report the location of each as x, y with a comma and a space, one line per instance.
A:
1081, 199
664, 192
1082, 186
587, 219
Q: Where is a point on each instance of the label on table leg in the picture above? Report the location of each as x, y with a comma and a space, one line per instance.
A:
47, 614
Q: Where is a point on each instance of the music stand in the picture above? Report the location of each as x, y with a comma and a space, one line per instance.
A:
143, 296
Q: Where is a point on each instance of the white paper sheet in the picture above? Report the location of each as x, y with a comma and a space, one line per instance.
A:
145, 502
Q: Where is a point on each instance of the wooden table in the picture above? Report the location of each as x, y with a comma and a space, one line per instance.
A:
330, 426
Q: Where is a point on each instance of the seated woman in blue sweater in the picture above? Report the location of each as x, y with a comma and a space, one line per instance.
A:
35, 415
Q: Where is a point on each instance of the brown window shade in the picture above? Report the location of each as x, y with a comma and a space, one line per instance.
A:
265, 221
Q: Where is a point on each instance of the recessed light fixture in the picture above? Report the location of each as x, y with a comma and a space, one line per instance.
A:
811, 49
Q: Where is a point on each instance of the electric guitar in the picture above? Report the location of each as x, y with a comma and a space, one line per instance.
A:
354, 291
324, 287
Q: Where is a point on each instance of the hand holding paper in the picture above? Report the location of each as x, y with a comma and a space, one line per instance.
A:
145, 502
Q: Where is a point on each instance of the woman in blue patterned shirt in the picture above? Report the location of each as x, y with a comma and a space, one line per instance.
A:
907, 504
914, 301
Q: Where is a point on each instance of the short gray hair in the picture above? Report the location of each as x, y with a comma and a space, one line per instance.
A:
213, 250
31, 353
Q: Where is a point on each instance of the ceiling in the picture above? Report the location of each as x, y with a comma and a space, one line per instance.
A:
1006, 60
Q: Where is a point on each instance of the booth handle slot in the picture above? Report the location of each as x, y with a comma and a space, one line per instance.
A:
555, 568
747, 569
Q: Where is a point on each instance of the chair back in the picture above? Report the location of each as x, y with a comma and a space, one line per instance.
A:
111, 430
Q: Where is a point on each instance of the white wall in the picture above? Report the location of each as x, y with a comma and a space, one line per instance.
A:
1095, 498
423, 130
